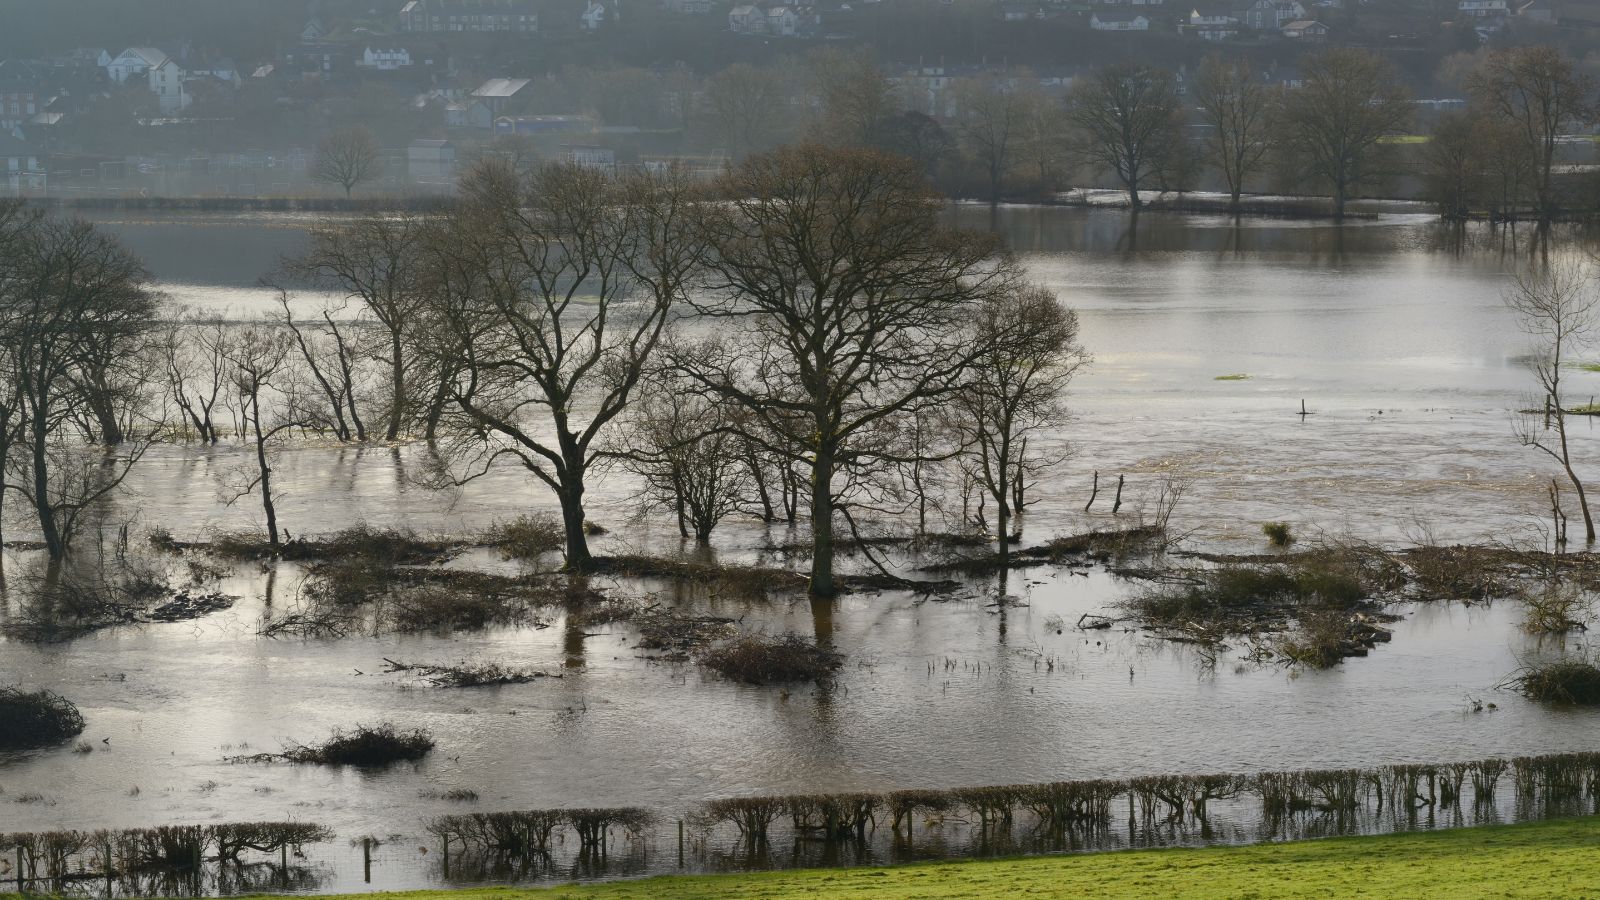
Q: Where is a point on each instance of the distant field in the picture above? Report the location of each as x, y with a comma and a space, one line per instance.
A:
1546, 859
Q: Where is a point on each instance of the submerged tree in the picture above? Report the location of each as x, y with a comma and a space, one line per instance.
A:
1129, 119
991, 114
1013, 391
690, 455
258, 361
844, 299
1238, 107
562, 288
375, 261
1540, 95
1332, 126
73, 301
1559, 307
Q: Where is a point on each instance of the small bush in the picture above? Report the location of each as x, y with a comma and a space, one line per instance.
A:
1556, 608
376, 745
1569, 681
758, 659
1278, 534
527, 537
39, 719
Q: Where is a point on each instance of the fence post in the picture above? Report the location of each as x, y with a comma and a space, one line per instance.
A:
366, 860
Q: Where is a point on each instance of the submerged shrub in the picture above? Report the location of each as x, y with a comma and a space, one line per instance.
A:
40, 719
1278, 534
758, 659
1568, 681
365, 745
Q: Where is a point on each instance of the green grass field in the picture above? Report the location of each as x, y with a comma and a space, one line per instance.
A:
1544, 859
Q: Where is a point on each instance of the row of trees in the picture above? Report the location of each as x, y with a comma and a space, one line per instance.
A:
805, 339
1337, 132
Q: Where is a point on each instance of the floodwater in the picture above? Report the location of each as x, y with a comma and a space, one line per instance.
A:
1390, 330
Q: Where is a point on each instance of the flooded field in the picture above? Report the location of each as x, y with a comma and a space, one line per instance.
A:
1206, 339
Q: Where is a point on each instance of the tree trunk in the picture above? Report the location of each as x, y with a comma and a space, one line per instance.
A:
397, 406
54, 545
265, 470
822, 525
571, 495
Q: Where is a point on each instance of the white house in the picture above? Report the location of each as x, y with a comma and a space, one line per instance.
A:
385, 59
167, 83
1272, 15
1119, 21
1483, 9
747, 19
782, 21
594, 15
133, 62
1211, 25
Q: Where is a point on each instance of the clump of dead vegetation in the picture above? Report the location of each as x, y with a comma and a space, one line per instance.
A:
676, 635
763, 659
1556, 607
527, 537
38, 719
1101, 545
1570, 682
62, 605
729, 580
385, 546
465, 674
364, 746
1316, 608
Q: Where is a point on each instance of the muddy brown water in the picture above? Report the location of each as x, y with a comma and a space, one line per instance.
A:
1391, 330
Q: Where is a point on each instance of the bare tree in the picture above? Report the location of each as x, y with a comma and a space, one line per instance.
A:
843, 297
990, 117
1557, 305
1014, 391
347, 158
1454, 168
689, 454
1237, 106
1333, 124
194, 350
333, 363
1128, 117
1542, 95
854, 95
576, 278
257, 358
748, 107
70, 287
375, 261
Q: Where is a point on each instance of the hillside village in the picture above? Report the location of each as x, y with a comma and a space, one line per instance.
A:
628, 83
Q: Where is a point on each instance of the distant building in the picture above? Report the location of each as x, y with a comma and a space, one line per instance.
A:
1306, 31
782, 21
1484, 9
689, 7
431, 161
1119, 21
384, 59
491, 100
134, 62
1272, 15
20, 97
21, 166
534, 125
1212, 24
435, 16
590, 157
747, 19
594, 15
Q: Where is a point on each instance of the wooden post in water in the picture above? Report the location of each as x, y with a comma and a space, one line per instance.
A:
111, 872
1118, 503
680, 843
366, 860
1094, 491
19, 870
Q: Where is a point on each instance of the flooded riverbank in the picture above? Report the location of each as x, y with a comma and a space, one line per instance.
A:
1205, 337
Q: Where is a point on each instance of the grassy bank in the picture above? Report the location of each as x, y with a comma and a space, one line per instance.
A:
1558, 858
